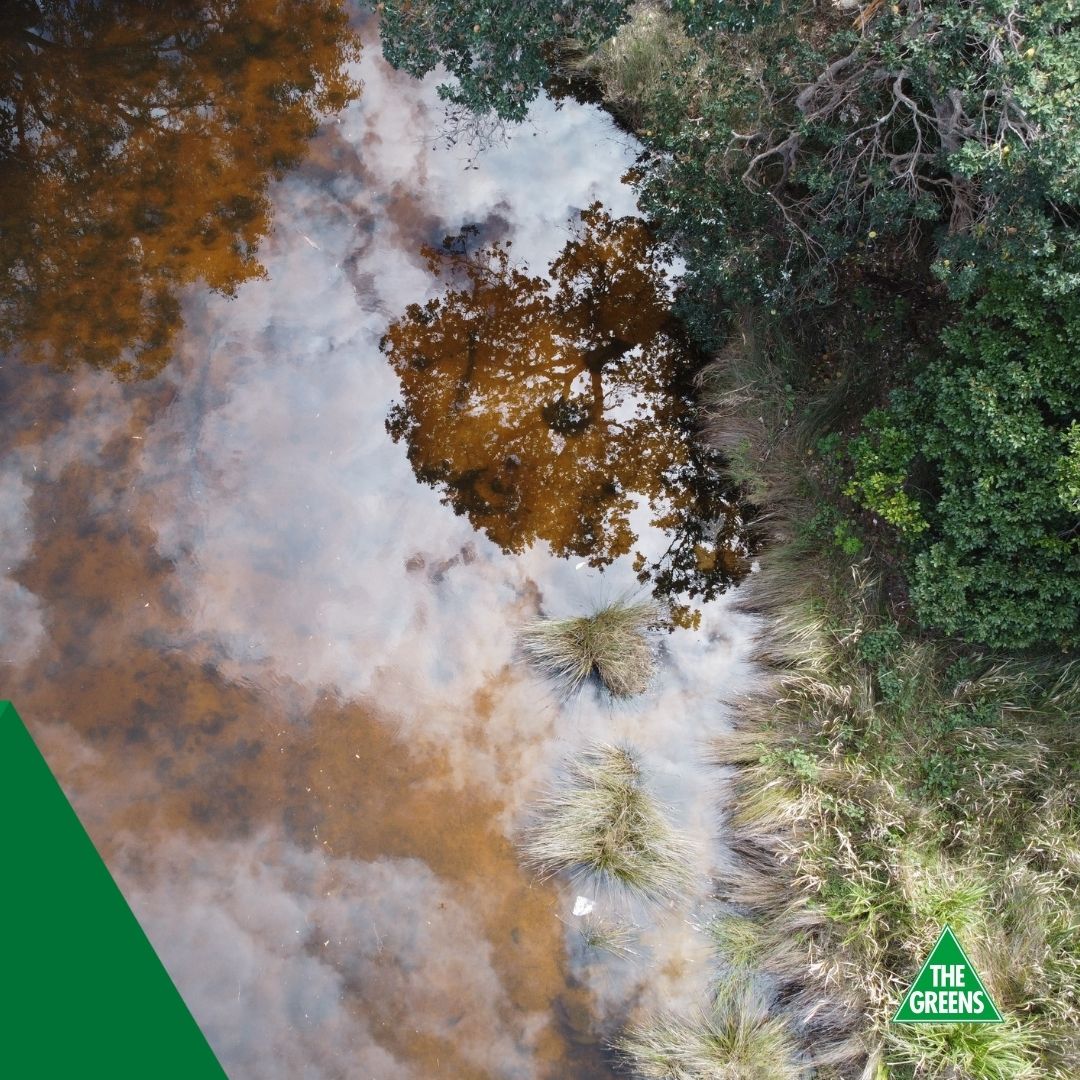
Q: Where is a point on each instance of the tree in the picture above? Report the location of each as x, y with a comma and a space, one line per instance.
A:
978, 468
547, 408
794, 137
795, 148
498, 54
137, 142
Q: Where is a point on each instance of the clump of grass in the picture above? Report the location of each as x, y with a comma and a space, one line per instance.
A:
736, 1039
985, 1051
632, 67
738, 940
612, 643
604, 824
610, 936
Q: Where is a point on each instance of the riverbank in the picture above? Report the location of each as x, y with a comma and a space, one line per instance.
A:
887, 782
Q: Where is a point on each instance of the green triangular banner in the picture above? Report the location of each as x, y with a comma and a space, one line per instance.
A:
947, 990
84, 994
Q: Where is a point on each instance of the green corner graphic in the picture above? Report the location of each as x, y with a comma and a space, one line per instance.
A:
84, 994
947, 990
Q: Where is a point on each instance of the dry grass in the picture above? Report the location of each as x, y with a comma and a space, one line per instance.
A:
883, 784
609, 935
738, 1038
604, 825
613, 644
631, 68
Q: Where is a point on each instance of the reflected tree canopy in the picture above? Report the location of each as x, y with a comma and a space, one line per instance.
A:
137, 142
551, 408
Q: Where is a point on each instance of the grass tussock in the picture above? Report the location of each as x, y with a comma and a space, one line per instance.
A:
632, 67
609, 935
604, 825
737, 1038
613, 644
884, 782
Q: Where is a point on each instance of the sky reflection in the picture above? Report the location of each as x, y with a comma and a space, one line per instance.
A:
278, 676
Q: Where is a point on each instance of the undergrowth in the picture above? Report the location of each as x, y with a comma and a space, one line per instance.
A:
736, 1038
886, 782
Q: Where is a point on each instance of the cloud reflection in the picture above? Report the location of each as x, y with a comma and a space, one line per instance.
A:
551, 407
296, 667
107, 113
297, 964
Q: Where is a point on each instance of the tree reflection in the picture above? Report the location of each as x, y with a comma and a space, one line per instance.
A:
137, 141
549, 408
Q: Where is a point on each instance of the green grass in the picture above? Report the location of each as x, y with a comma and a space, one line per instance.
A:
738, 940
737, 1038
986, 1051
613, 644
884, 782
602, 824
745, 945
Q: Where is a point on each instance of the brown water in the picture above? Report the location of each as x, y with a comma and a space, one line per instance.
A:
274, 672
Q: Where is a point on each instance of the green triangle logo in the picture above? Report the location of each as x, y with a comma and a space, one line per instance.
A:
84, 994
947, 990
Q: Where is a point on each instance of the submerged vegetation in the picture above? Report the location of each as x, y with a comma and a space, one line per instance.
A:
604, 825
613, 644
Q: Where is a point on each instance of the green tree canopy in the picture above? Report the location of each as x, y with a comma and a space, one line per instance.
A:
795, 149
978, 468
498, 54
787, 139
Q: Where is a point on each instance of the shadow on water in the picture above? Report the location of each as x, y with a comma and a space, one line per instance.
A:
551, 407
137, 142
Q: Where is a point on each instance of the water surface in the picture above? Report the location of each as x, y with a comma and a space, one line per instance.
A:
267, 644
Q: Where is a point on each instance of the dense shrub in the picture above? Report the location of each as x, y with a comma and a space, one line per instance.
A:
793, 148
887, 783
794, 138
977, 467
922, 143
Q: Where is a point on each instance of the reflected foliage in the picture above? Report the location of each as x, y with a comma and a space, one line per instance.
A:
137, 141
550, 407
497, 55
